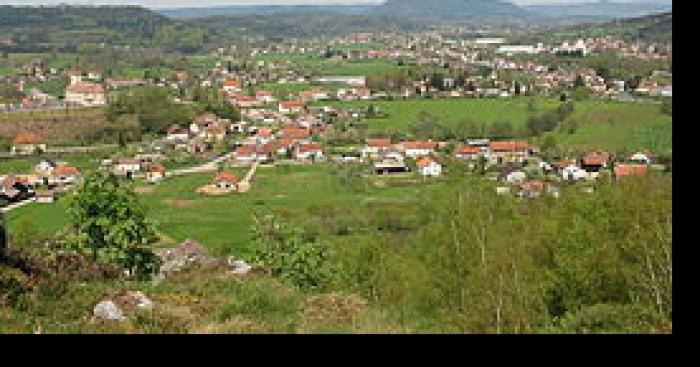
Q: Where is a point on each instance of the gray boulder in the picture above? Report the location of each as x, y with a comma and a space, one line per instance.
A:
108, 311
238, 267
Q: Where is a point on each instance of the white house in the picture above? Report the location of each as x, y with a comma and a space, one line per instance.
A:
428, 167
127, 166
641, 157
573, 173
309, 151
415, 149
85, 94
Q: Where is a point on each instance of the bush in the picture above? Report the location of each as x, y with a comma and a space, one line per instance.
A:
288, 254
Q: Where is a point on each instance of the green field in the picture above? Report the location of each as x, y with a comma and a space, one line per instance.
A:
402, 114
606, 125
619, 126
223, 223
317, 65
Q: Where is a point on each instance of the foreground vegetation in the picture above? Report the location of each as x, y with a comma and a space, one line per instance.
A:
460, 259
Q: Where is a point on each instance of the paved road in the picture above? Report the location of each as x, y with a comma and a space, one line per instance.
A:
7, 208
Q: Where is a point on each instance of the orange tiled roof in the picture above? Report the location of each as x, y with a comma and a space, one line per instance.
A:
27, 138
419, 145
509, 146
379, 143
225, 177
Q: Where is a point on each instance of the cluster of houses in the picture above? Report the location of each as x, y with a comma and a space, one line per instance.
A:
48, 181
204, 131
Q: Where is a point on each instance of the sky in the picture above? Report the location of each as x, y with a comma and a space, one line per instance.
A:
199, 3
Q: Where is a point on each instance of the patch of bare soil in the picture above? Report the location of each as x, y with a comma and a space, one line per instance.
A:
180, 203
145, 190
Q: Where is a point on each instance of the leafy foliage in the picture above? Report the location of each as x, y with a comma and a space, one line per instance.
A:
110, 223
289, 254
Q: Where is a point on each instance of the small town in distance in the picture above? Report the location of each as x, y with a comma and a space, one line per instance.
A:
437, 174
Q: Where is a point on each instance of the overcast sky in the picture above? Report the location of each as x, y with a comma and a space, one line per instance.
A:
180, 3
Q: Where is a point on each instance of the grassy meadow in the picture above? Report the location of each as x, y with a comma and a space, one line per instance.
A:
223, 223
607, 125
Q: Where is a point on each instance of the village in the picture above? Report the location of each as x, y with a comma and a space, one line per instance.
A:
292, 133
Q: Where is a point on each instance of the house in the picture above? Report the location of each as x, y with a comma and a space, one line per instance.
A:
469, 153
155, 173
127, 167
572, 172
641, 158
225, 180
28, 143
232, 86
244, 101
294, 133
264, 96
12, 189
624, 170
291, 107
390, 163
85, 94
310, 151
45, 167
214, 133
416, 149
592, 163
427, 166
264, 135
251, 153
64, 175
177, 133
512, 174
500, 152
45, 196
375, 147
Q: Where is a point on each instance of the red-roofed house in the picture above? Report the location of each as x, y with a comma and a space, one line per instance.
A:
375, 147
468, 153
155, 173
225, 180
295, 133
85, 94
63, 175
291, 106
508, 151
427, 166
264, 96
214, 133
232, 86
308, 151
416, 149
27, 143
624, 170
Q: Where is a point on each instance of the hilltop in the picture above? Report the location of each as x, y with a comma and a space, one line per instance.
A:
66, 28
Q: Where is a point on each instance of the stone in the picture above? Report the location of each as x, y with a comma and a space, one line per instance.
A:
109, 311
143, 302
238, 267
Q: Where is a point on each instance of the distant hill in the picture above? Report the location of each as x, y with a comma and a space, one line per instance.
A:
605, 9
66, 28
448, 9
185, 13
69, 26
649, 28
